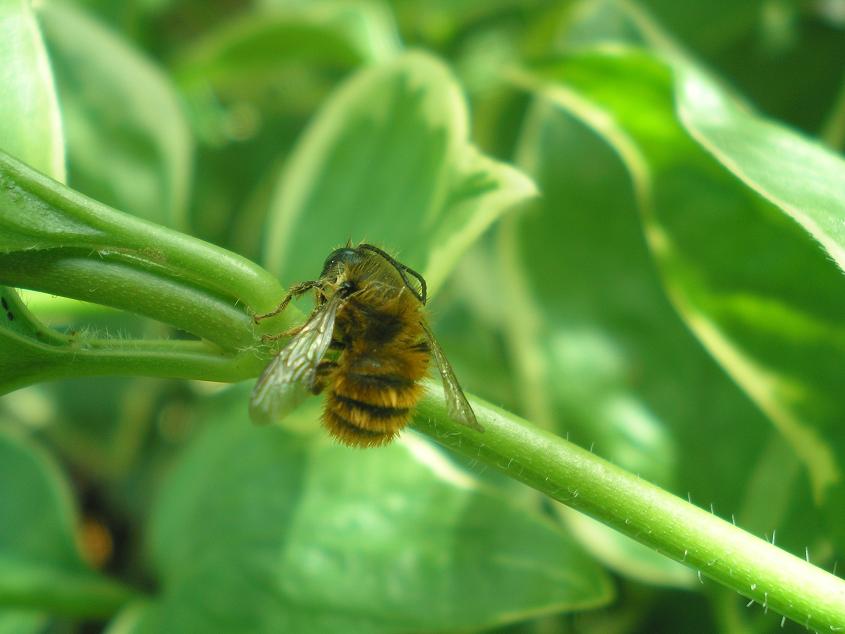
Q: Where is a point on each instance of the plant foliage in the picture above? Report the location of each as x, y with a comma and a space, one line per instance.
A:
631, 217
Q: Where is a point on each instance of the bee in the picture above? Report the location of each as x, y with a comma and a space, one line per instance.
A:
366, 344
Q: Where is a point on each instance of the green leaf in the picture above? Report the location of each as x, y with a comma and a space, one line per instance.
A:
40, 565
128, 141
255, 47
30, 123
739, 251
797, 174
257, 527
388, 161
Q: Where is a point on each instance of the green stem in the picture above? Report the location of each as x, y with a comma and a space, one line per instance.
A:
72, 274
699, 539
194, 360
56, 240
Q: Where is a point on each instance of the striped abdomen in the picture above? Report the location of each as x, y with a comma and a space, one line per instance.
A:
371, 396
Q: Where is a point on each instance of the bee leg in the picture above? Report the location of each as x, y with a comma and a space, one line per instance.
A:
290, 332
324, 369
294, 291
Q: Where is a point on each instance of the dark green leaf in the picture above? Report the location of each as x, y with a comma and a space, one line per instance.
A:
255, 47
40, 565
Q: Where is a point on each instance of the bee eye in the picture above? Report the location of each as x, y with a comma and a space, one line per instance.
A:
340, 256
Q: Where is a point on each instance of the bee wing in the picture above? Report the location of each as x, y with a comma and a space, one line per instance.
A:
456, 402
288, 378
274, 395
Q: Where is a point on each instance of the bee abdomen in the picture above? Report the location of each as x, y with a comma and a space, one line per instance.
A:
365, 410
385, 391
351, 434
394, 381
369, 416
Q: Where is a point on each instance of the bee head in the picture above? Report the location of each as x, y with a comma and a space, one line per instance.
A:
339, 260
336, 266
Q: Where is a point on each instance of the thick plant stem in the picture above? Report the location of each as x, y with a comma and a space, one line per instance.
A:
56, 240
697, 538
114, 357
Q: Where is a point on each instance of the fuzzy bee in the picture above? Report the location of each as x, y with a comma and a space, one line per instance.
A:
367, 344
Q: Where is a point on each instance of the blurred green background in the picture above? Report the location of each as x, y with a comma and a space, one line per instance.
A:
630, 214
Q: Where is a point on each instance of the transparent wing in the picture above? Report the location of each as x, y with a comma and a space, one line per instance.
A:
290, 376
456, 403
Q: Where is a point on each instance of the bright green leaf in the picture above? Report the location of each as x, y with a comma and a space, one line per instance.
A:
257, 527
481, 192
128, 141
388, 161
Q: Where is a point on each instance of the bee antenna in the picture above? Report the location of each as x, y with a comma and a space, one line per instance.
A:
401, 269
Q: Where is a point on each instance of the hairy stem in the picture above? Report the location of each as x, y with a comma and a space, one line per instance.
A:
697, 538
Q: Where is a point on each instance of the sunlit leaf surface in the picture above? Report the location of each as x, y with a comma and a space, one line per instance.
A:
292, 532
388, 161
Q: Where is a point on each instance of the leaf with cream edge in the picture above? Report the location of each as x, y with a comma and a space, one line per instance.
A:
127, 139
752, 268
387, 160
